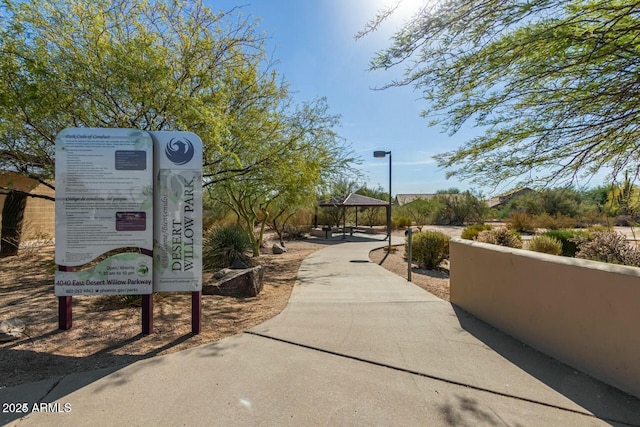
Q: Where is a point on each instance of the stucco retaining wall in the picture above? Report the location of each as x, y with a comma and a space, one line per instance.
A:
583, 313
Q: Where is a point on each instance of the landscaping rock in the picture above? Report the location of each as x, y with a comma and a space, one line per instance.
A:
237, 283
277, 249
11, 329
220, 274
241, 263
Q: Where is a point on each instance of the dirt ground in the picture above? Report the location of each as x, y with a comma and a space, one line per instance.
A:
105, 333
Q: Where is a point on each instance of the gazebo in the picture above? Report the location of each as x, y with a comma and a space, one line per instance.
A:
354, 200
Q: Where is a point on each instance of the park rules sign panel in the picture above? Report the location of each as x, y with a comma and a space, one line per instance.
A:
104, 212
178, 212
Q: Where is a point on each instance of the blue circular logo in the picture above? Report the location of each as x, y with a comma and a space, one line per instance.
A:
179, 150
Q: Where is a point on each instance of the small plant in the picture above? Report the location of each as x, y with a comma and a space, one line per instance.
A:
471, 232
545, 244
224, 245
429, 248
568, 239
608, 247
501, 236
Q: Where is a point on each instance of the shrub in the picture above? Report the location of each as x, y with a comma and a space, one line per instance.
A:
224, 245
501, 236
429, 248
568, 240
471, 232
545, 244
402, 222
296, 232
521, 222
609, 247
556, 222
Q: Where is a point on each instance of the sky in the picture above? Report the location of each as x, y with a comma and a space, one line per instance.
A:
313, 42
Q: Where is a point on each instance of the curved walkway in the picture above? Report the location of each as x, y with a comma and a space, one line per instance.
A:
356, 345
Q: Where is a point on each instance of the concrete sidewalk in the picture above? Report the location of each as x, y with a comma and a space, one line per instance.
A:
356, 345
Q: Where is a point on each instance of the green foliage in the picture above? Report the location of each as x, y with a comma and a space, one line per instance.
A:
421, 211
224, 245
501, 236
608, 247
545, 244
567, 239
624, 199
542, 78
471, 232
165, 65
459, 208
402, 222
429, 248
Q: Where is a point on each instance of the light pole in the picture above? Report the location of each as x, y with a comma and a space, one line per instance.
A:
379, 155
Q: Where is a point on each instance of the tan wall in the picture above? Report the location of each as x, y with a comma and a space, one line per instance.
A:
583, 313
39, 216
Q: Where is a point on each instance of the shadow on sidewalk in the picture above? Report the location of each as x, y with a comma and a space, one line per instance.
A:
604, 401
108, 362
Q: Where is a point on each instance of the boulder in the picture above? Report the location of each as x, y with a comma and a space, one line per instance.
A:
220, 274
237, 283
241, 263
278, 249
11, 329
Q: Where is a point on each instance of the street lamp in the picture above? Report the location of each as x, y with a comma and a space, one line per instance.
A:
379, 155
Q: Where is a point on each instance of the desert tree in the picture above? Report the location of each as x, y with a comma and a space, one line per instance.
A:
552, 86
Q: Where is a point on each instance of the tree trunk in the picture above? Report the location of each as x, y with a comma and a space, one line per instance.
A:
12, 221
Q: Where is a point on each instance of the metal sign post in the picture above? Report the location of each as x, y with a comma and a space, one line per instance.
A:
409, 234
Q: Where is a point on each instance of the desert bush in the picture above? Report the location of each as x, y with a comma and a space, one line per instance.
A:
545, 244
458, 208
568, 240
429, 248
501, 236
471, 232
554, 222
608, 247
521, 222
599, 229
223, 245
296, 232
402, 222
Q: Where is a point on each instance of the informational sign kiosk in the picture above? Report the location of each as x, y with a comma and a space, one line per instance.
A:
178, 219
104, 212
178, 203
123, 196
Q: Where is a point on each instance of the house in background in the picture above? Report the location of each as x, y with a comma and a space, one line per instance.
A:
29, 217
403, 199
501, 200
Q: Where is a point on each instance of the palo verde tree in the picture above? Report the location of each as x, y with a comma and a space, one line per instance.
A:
124, 63
554, 86
151, 65
273, 153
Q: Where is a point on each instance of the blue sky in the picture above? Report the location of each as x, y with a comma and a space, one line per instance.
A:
313, 40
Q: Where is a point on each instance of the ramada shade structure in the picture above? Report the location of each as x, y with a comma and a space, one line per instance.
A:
353, 200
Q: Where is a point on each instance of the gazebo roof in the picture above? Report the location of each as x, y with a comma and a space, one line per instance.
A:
353, 200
